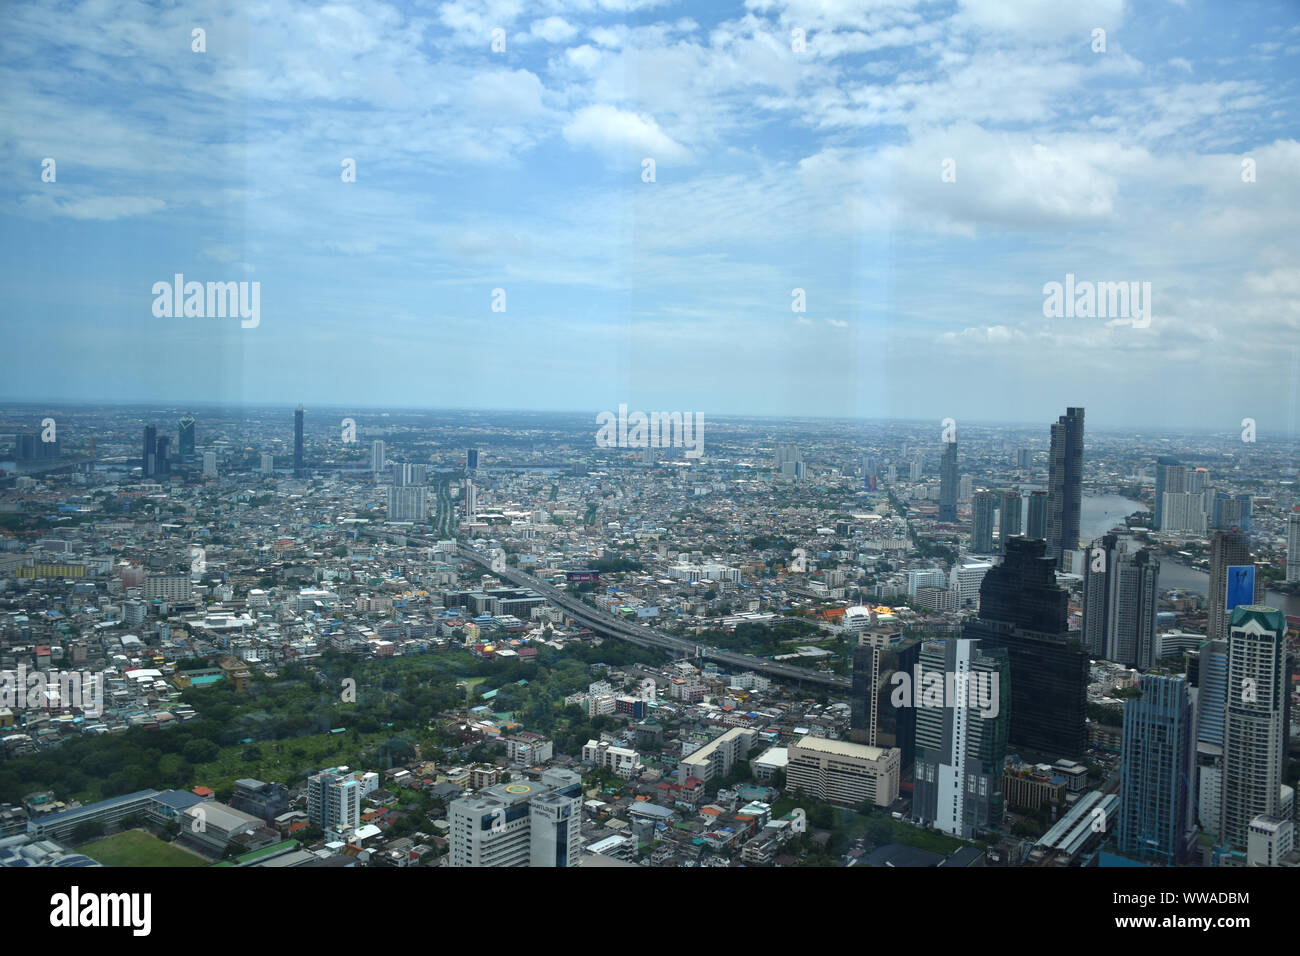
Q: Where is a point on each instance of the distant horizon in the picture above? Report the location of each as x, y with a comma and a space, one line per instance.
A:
1089, 426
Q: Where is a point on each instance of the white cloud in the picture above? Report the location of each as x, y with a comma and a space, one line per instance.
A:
553, 30
623, 133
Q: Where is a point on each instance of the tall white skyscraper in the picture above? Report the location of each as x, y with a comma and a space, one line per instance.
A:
268, 463
961, 702
1254, 734
471, 501
209, 464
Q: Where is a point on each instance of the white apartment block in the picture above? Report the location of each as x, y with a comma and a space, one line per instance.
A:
620, 760
170, 588
716, 758
529, 749
967, 578
1183, 511
929, 577
1270, 839
692, 573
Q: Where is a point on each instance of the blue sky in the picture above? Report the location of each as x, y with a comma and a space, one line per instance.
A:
775, 169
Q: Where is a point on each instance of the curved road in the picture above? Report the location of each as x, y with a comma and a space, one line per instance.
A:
609, 624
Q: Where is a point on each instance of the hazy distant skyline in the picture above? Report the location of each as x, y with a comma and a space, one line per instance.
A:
775, 170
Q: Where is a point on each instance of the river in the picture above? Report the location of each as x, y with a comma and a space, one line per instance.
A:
1100, 513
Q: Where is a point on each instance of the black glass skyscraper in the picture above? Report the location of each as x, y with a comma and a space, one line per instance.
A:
981, 511
1036, 520
1023, 610
149, 452
1008, 518
948, 484
162, 461
299, 469
875, 718
185, 440
1065, 484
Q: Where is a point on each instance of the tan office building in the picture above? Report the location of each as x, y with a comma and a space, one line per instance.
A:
841, 772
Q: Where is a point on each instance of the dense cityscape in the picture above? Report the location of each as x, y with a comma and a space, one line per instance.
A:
766, 436
273, 637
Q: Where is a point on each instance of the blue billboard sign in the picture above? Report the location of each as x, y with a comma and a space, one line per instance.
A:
1241, 585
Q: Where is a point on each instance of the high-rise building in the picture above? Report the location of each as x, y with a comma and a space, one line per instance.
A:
185, 440
150, 452
25, 446
299, 466
1120, 597
1156, 796
471, 458
377, 455
915, 468
786, 453
864, 693
891, 474
408, 496
1024, 610
528, 823
981, 536
268, 463
209, 464
1293, 547
1228, 550
1065, 484
1024, 459
948, 484
1255, 731
1170, 477
1229, 513
334, 799
1198, 480
873, 718
1036, 520
1207, 677
961, 737
162, 461
1183, 511
471, 501
1008, 518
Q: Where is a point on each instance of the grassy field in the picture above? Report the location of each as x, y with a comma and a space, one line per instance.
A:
137, 848
284, 761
